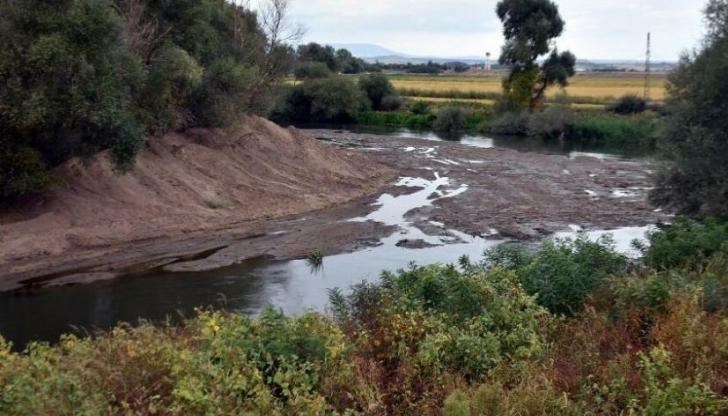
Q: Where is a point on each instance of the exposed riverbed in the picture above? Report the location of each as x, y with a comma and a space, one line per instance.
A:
450, 199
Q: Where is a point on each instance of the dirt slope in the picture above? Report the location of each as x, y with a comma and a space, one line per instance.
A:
183, 182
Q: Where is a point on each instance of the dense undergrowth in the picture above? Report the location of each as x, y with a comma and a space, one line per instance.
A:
570, 329
83, 76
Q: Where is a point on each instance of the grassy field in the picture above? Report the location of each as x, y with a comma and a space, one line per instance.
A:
584, 89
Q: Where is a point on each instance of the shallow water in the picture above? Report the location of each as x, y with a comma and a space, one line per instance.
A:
294, 286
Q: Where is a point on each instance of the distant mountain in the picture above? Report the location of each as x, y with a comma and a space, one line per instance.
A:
374, 53
368, 50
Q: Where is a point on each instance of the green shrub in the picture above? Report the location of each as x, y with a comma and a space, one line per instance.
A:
614, 130
170, 83
562, 273
629, 104
671, 395
22, 172
221, 96
420, 107
552, 123
464, 322
391, 103
450, 122
686, 243
319, 100
377, 87
511, 123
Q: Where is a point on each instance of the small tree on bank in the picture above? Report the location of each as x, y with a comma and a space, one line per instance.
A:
529, 27
693, 179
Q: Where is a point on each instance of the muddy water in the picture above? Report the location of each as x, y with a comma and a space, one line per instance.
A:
293, 286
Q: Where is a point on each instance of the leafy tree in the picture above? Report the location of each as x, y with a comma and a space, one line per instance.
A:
693, 179
68, 82
314, 52
529, 27
322, 100
349, 64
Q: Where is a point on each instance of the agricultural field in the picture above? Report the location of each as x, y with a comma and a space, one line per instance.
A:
584, 88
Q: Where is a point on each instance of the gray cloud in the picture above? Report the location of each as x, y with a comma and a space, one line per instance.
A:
595, 29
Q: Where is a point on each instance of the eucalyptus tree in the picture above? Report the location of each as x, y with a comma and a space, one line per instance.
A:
530, 27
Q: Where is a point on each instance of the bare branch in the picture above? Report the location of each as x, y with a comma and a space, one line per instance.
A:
141, 32
274, 21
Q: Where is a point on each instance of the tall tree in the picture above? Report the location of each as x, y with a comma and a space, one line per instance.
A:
530, 26
693, 178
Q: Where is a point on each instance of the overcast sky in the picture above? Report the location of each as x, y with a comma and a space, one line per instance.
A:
595, 29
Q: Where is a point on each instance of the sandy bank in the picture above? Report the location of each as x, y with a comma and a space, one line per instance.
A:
184, 183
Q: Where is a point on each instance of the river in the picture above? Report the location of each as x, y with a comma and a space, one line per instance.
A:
293, 285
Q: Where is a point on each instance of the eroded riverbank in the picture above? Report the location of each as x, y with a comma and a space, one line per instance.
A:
501, 194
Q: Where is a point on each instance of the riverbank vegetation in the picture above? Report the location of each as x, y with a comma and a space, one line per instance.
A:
84, 76
572, 328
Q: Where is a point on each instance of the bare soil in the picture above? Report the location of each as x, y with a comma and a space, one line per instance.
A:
182, 184
205, 200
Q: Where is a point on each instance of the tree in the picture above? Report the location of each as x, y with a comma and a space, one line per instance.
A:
376, 87
348, 63
693, 178
529, 27
314, 52
83, 76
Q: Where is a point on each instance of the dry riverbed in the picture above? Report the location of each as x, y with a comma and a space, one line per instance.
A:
492, 193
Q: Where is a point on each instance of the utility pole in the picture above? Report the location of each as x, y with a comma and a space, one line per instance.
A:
648, 66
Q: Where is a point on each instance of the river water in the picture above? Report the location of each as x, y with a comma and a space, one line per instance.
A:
294, 286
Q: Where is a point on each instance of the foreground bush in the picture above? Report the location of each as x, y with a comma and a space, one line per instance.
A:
217, 364
428, 340
563, 272
686, 243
